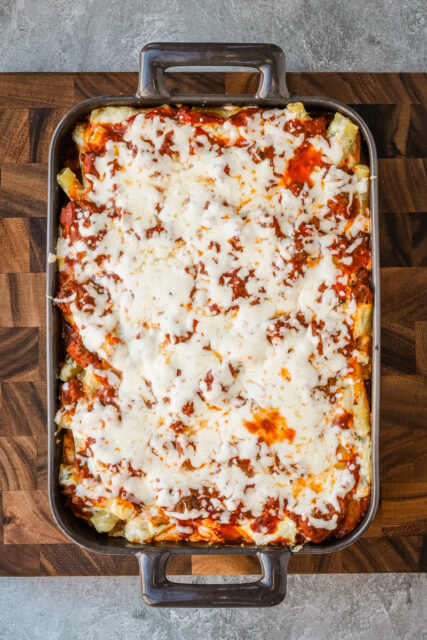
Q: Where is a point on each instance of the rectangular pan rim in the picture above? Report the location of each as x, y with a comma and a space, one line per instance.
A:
119, 546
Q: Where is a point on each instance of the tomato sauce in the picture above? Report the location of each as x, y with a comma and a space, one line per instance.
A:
300, 167
270, 426
72, 393
310, 128
344, 421
340, 207
68, 222
88, 160
79, 353
267, 523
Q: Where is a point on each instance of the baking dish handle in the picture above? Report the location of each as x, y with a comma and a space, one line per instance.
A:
156, 57
269, 590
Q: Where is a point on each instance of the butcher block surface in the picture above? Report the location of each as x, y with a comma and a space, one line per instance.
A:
394, 106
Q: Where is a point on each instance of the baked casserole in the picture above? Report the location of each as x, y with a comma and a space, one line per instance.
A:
214, 280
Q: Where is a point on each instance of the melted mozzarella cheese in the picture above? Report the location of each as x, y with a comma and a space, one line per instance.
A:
193, 279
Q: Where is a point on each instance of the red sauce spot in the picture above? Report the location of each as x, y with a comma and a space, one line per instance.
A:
241, 119
209, 380
235, 243
68, 222
198, 131
267, 523
152, 230
245, 465
89, 164
274, 224
315, 534
165, 149
78, 351
107, 396
162, 113
188, 408
231, 532
214, 309
72, 394
87, 451
270, 426
310, 128
276, 331
340, 206
352, 512
178, 426
188, 466
344, 421
186, 116
237, 283
301, 166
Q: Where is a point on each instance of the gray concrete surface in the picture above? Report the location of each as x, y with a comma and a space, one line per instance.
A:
357, 607
317, 35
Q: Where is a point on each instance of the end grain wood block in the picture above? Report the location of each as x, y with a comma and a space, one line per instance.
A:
383, 555
370, 88
27, 519
248, 82
23, 409
19, 353
37, 235
325, 563
14, 245
403, 239
402, 506
18, 466
402, 184
20, 560
421, 347
403, 294
23, 190
90, 85
69, 559
23, 299
398, 129
41, 369
41, 463
402, 422
375, 528
42, 124
14, 135
397, 347
224, 565
22, 90
193, 83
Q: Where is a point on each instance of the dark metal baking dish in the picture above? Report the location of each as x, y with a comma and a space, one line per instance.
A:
157, 590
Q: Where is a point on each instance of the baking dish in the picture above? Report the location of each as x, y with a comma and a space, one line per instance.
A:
155, 59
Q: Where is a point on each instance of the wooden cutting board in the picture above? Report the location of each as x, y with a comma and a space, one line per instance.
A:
394, 106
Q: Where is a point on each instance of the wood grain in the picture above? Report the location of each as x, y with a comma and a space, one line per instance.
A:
23, 190
15, 245
421, 347
27, 519
21, 294
18, 463
225, 565
403, 240
14, 135
23, 409
19, 353
394, 106
42, 123
25, 90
